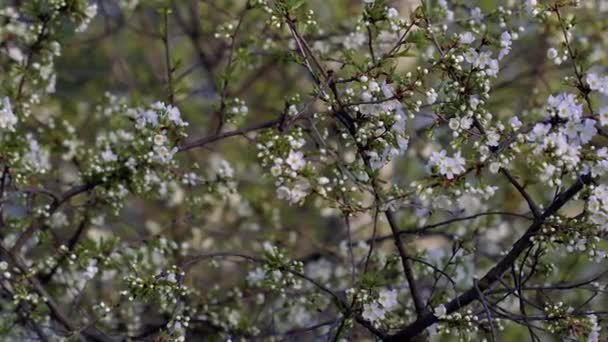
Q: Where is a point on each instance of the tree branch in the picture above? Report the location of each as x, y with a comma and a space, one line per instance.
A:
498, 270
406, 263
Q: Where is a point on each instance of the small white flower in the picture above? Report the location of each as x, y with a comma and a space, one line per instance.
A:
373, 312
448, 166
540, 130
256, 276
476, 14
392, 13
515, 122
505, 39
300, 191
547, 173
454, 123
552, 53
440, 311
454, 166
597, 83
108, 155
190, 178
530, 4
593, 80
171, 277
581, 244
505, 43
466, 122
91, 10
163, 154
175, 117
493, 68
91, 269
159, 139
150, 117
283, 193
388, 299
594, 335
493, 138
374, 86
471, 56
15, 53
8, 120
58, 220
276, 170
431, 96
292, 110
604, 116
466, 38
37, 158
587, 131
295, 160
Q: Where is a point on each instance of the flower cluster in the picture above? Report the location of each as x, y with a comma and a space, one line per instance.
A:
236, 109
376, 310
142, 150
157, 120
278, 273
464, 325
289, 165
449, 167
562, 137
566, 325
384, 129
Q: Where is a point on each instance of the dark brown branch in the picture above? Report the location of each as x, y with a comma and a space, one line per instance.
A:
522, 191
406, 262
216, 137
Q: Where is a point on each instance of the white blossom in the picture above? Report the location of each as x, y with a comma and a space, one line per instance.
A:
388, 299
108, 155
597, 83
373, 312
37, 158
594, 334
8, 119
552, 53
505, 44
515, 122
466, 38
448, 166
295, 160
431, 96
440, 311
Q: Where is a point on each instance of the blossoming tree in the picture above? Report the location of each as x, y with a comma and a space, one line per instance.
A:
303, 170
